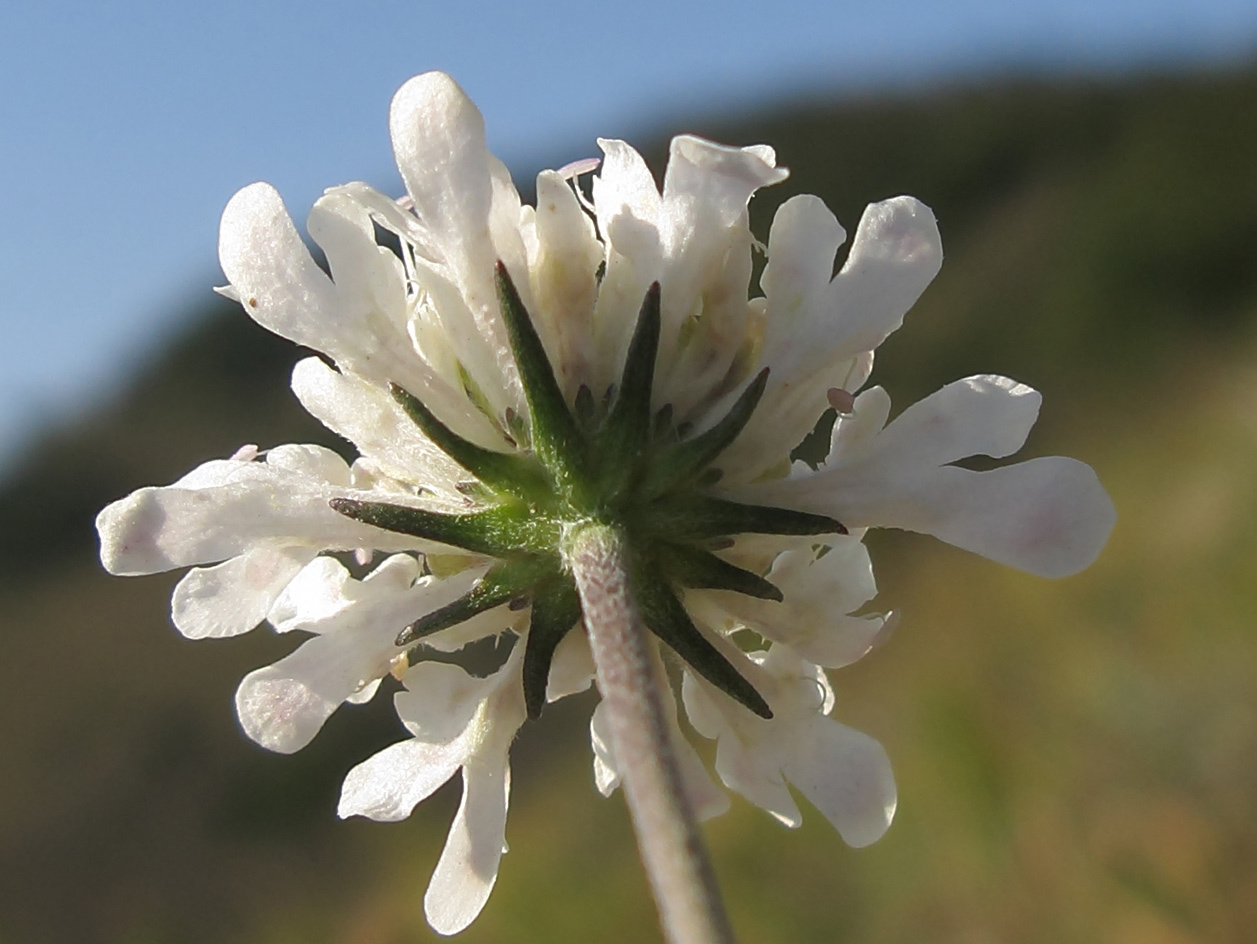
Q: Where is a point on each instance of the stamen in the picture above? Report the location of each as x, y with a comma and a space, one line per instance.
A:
585, 165
840, 400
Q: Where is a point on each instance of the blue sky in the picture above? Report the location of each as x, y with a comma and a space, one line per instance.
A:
125, 127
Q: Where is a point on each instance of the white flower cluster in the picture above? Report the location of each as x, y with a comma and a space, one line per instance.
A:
417, 308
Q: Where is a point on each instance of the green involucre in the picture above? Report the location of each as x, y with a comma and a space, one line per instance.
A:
616, 460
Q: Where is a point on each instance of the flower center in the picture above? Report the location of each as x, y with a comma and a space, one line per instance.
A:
616, 463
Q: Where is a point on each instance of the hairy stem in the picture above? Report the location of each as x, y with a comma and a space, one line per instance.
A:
671, 846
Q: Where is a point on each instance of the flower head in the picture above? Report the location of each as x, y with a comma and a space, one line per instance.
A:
508, 373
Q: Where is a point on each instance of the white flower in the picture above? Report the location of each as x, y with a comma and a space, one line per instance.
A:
819, 595
845, 774
506, 372
459, 723
282, 706
1047, 516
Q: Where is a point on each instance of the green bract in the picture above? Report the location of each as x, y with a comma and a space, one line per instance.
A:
615, 462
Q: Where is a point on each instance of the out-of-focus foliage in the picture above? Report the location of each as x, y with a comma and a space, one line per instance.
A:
1077, 760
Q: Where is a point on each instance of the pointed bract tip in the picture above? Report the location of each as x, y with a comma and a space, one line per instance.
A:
758, 384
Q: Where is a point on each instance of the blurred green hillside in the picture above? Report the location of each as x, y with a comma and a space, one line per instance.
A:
1077, 760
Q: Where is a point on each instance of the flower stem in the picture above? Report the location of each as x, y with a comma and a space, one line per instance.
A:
676, 862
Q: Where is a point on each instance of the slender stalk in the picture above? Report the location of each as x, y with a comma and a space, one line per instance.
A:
671, 846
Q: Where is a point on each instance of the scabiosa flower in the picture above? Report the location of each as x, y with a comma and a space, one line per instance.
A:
510, 374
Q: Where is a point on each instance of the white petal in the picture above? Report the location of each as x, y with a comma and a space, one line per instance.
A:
706, 799
156, 529
1048, 516
468, 867
701, 709
282, 706
856, 433
389, 214
572, 668
847, 776
846, 639
325, 598
316, 595
841, 578
269, 267
374, 422
370, 332
628, 207
746, 749
606, 770
387, 786
492, 622
564, 282
802, 244
809, 325
364, 694
236, 595
505, 215
461, 327
895, 254
718, 179
800, 689
439, 141
563, 227
219, 471
317, 463
818, 594
628, 203
285, 291
283, 713
985, 415
744, 769
441, 700
707, 263
786, 414
369, 278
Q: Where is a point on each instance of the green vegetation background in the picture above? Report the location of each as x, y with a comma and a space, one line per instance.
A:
1077, 760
